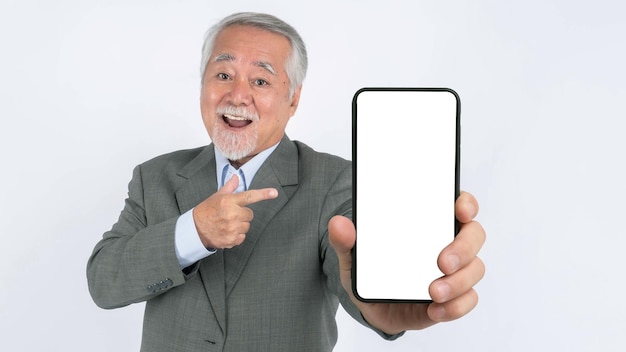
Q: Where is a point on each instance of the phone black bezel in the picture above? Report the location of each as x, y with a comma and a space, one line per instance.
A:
354, 178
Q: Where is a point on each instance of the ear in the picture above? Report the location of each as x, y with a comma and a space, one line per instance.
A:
295, 99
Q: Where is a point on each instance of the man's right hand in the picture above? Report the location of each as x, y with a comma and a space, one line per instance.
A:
223, 219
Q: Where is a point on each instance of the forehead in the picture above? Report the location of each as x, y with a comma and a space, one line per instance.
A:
251, 43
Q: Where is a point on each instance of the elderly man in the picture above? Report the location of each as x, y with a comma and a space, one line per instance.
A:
244, 245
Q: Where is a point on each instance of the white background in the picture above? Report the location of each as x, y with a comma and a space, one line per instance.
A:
89, 89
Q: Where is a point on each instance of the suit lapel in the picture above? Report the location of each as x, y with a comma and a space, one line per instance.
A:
280, 171
220, 271
199, 180
199, 184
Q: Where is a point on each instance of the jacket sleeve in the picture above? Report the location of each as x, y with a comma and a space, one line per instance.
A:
135, 260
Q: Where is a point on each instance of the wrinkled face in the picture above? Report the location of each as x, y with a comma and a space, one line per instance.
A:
245, 102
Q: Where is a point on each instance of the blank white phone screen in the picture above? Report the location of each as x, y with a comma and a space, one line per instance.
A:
406, 160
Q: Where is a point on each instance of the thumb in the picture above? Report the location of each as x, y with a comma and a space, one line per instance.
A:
342, 236
230, 186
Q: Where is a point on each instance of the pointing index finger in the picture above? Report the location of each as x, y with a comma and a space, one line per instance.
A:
255, 195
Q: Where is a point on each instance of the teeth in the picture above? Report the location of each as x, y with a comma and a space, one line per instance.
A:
233, 117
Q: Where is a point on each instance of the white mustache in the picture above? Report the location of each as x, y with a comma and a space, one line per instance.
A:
237, 111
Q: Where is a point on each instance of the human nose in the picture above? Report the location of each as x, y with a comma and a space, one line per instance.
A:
240, 93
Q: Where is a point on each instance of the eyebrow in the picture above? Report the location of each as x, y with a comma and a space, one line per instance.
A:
224, 57
262, 64
265, 65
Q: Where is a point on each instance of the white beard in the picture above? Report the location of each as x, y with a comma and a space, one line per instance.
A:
235, 145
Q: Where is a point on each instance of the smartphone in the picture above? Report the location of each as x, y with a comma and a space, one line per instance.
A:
406, 160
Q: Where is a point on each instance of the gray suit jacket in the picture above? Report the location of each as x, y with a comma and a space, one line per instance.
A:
278, 291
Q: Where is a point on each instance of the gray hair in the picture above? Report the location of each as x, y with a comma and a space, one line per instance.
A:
297, 61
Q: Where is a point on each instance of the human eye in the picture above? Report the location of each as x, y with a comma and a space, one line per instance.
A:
260, 82
223, 76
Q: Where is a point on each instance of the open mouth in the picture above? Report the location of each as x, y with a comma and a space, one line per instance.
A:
236, 121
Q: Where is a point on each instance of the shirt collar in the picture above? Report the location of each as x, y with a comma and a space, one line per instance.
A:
249, 169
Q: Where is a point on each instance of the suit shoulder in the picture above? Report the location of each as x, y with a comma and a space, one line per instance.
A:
308, 153
173, 160
319, 161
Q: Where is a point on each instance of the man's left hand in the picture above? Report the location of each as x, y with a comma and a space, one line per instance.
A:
453, 294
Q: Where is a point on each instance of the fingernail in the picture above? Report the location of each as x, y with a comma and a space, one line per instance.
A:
437, 313
273, 193
443, 291
453, 263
